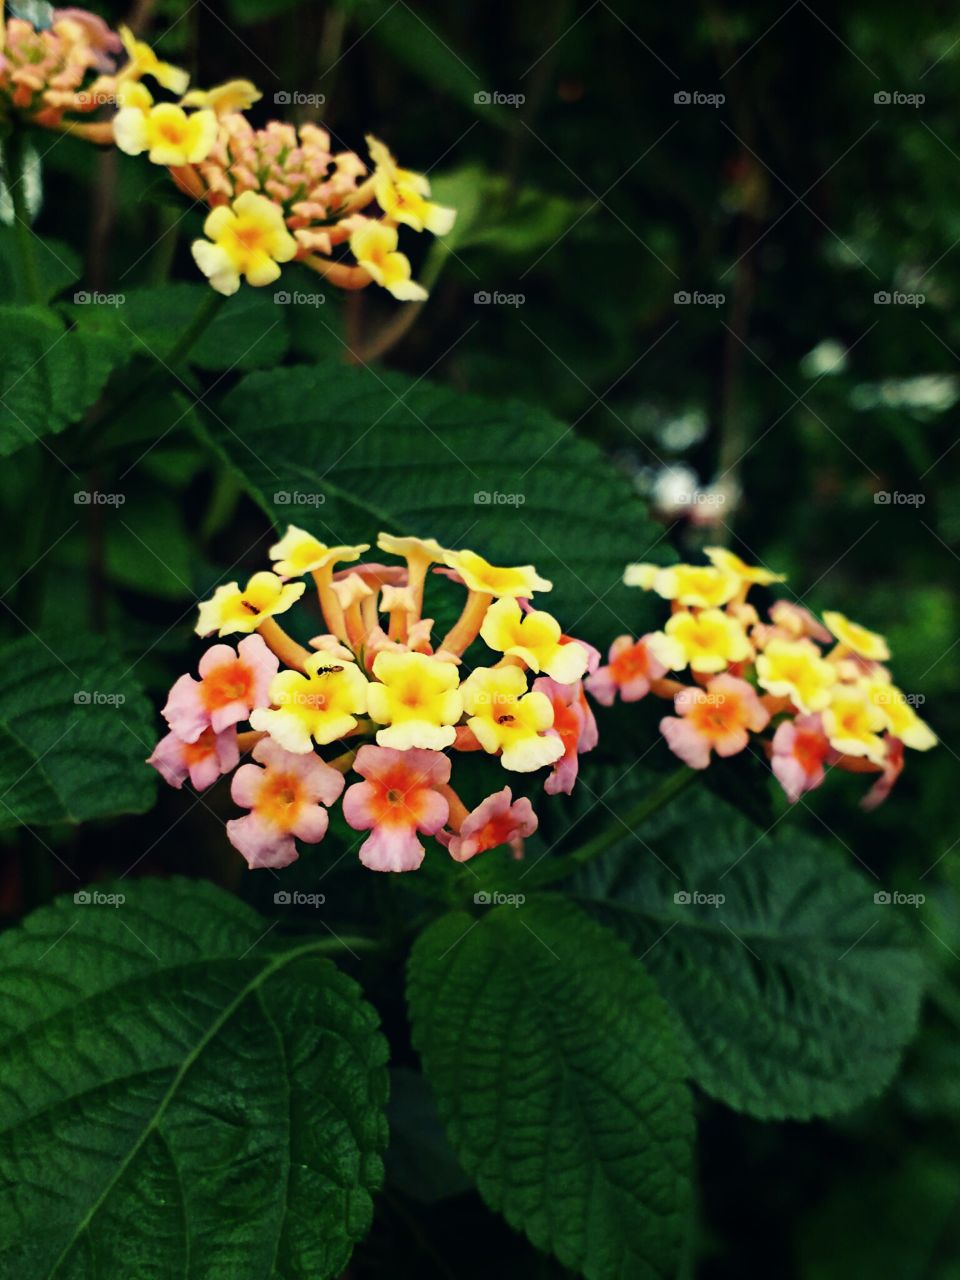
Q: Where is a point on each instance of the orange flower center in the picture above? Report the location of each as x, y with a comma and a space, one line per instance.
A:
717, 714
280, 798
630, 664
810, 750
194, 752
230, 683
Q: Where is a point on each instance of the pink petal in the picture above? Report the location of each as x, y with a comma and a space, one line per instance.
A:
602, 686
168, 760
245, 785
311, 825
260, 842
264, 665
184, 711
392, 849
684, 741
358, 803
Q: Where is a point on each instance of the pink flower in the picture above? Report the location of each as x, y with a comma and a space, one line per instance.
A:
892, 768
572, 727
232, 683
398, 799
800, 749
285, 799
632, 667
717, 718
204, 760
497, 820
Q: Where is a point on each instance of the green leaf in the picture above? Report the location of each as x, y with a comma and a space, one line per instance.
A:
58, 266
347, 452
559, 1079
493, 215
75, 729
50, 375
249, 332
797, 992
180, 1098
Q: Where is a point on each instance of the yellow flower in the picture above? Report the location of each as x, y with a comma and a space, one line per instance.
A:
374, 245
248, 239
479, 575
853, 724
417, 699
900, 717
401, 194
131, 93
320, 706
411, 548
867, 644
695, 585
504, 717
144, 62
231, 610
234, 95
708, 641
299, 552
535, 638
723, 559
796, 669
167, 132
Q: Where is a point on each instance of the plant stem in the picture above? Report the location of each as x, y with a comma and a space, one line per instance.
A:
206, 313
556, 868
13, 167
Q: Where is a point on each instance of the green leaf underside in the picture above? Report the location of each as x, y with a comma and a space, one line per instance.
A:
559, 1079
798, 993
64, 760
179, 1099
361, 451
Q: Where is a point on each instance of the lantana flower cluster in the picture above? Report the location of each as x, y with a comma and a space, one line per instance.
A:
375, 712
276, 194
815, 694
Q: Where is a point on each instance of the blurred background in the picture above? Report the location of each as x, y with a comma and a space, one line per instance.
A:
723, 242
